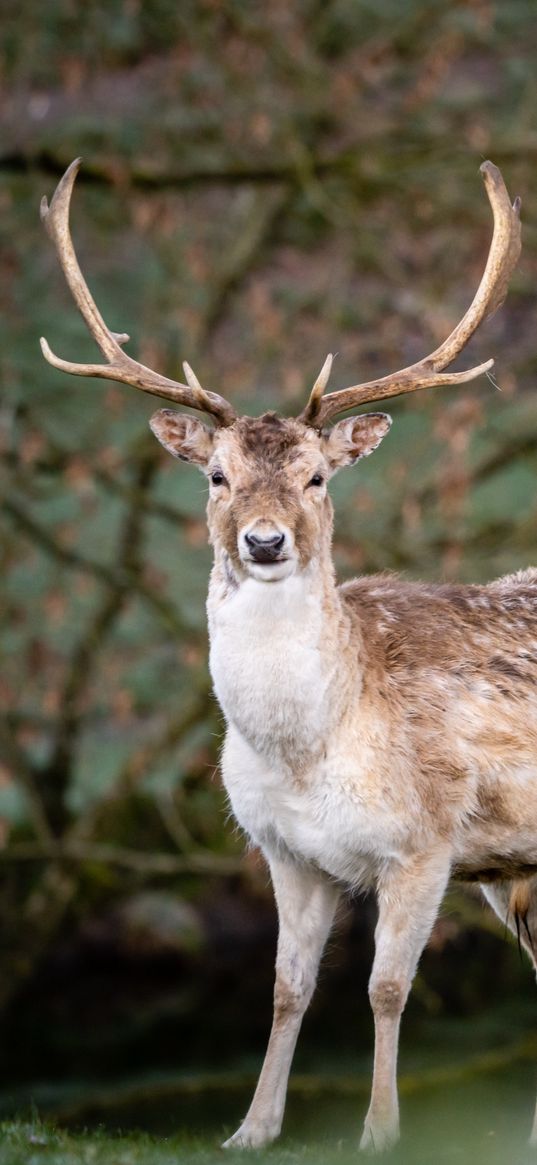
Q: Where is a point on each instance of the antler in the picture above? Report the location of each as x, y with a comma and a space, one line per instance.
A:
119, 366
427, 373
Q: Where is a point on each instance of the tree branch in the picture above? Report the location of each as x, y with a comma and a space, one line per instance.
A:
83, 658
82, 852
120, 580
24, 773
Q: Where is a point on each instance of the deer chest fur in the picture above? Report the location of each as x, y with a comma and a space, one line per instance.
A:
268, 668
330, 816
295, 786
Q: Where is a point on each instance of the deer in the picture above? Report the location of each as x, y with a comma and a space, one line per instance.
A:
380, 734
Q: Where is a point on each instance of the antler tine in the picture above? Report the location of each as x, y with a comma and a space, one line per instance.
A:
320, 385
428, 373
119, 366
195, 387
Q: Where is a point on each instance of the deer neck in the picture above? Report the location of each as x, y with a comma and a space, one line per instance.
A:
275, 653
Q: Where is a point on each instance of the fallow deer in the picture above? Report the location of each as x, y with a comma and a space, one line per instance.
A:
380, 734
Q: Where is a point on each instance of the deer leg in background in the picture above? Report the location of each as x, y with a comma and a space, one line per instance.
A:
515, 903
408, 899
306, 904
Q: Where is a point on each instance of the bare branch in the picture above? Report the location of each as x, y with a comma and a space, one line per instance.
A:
72, 850
117, 578
25, 775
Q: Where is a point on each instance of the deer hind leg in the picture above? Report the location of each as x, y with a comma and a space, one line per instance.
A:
515, 903
306, 904
408, 899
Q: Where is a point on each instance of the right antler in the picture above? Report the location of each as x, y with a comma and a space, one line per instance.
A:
119, 366
503, 256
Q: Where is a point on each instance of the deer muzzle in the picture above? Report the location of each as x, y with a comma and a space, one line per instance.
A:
265, 549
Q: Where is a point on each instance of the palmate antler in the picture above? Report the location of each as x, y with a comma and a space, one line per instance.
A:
427, 373
119, 366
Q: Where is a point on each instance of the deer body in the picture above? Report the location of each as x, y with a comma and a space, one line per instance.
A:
380, 734
395, 710
411, 760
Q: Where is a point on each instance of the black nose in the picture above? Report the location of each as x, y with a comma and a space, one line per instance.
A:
264, 549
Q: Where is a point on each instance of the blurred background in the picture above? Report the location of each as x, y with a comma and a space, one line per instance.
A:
261, 184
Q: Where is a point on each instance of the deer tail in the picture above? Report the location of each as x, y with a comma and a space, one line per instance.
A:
519, 904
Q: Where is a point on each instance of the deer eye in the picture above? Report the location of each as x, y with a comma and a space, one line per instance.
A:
217, 477
317, 479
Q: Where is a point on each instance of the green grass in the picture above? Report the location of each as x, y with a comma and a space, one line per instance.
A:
482, 1121
31, 1143
467, 1094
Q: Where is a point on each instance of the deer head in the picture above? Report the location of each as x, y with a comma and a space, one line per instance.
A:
269, 511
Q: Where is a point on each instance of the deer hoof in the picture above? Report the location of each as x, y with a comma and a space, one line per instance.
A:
378, 1138
251, 1137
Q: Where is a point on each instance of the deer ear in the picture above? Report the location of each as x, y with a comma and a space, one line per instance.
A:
353, 438
184, 437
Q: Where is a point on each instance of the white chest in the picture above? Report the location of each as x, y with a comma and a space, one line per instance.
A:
269, 670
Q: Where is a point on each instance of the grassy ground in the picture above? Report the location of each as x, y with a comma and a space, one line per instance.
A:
461, 1126
482, 1118
467, 1093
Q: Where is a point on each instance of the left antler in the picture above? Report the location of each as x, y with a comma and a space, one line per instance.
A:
119, 366
427, 373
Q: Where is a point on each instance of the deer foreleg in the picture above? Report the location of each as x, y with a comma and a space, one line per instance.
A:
408, 898
306, 906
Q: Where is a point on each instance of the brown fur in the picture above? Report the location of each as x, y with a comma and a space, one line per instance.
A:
453, 665
519, 906
269, 439
387, 998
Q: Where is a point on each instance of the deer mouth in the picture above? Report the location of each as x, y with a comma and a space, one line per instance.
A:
268, 570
